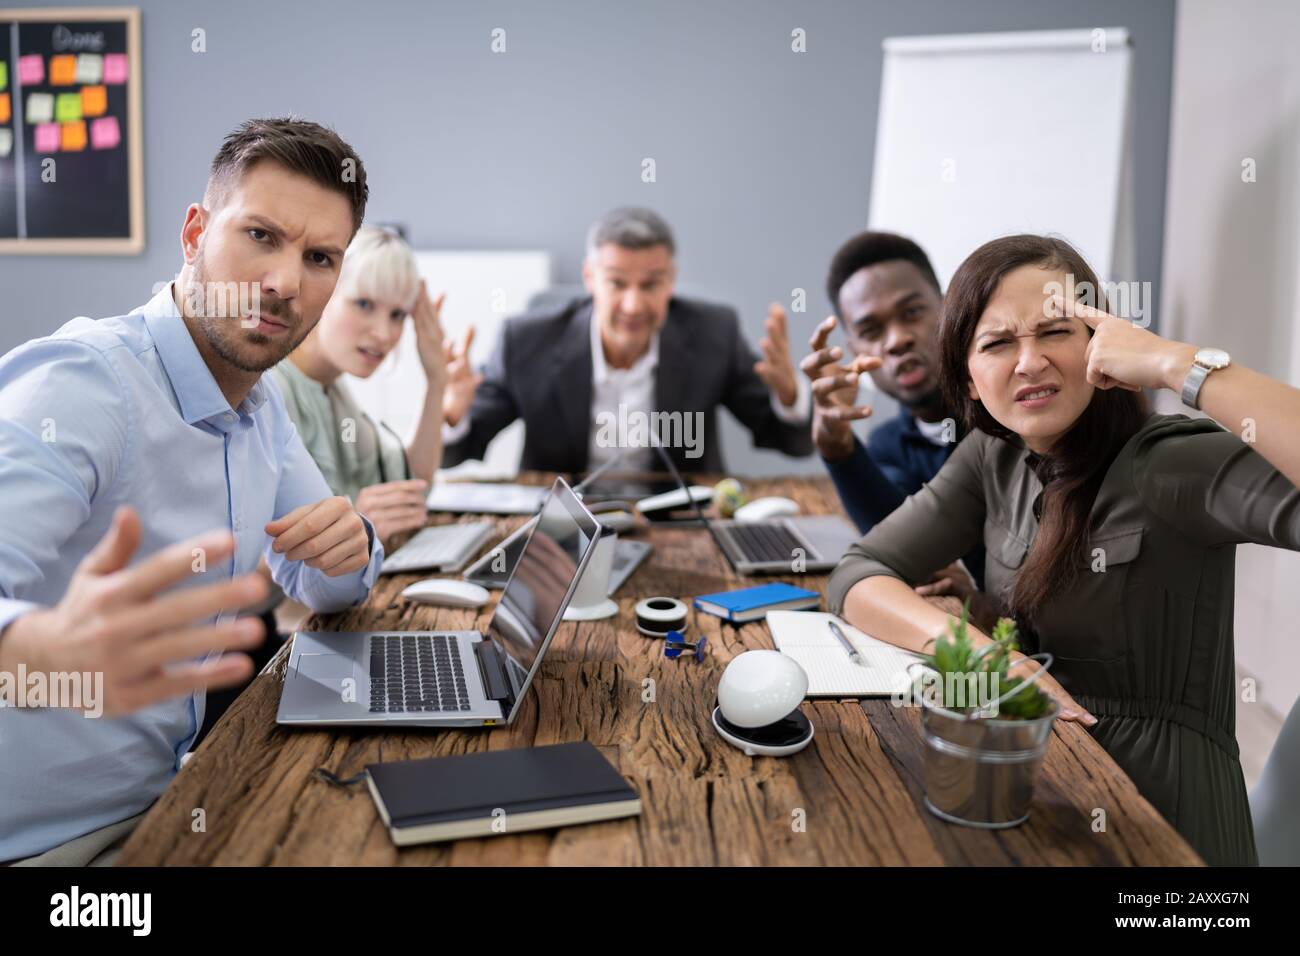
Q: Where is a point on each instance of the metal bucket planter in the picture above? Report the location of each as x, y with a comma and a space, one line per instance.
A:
980, 771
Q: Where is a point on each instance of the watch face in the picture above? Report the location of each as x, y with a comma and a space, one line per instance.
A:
1212, 358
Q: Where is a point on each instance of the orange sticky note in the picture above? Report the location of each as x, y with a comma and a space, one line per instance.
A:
94, 100
63, 70
74, 135
5, 109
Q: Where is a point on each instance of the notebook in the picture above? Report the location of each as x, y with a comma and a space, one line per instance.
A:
806, 637
498, 791
750, 604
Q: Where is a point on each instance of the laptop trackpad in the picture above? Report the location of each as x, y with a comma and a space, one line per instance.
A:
325, 666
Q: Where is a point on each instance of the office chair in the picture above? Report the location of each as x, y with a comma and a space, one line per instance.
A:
1274, 800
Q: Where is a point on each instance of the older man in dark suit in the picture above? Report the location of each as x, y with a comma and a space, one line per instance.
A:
600, 375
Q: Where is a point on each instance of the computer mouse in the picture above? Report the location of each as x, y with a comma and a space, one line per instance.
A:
763, 509
446, 592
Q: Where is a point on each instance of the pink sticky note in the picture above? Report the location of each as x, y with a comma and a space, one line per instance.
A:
115, 68
104, 133
31, 69
47, 137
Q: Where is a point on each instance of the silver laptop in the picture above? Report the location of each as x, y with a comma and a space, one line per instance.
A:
493, 569
454, 678
800, 545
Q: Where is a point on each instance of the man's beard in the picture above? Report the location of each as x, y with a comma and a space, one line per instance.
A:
215, 327
931, 399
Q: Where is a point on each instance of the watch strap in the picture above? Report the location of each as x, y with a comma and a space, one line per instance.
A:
1192, 385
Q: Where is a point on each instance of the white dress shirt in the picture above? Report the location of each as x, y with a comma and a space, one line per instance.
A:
124, 411
626, 396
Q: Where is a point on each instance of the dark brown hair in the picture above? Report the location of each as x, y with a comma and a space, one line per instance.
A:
1073, 470
300, 146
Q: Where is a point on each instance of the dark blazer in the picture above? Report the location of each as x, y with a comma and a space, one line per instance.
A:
541, 371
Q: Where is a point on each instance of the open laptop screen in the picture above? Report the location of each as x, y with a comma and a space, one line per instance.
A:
544, 576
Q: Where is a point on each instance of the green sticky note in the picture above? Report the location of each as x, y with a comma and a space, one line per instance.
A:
4, 75
67, 107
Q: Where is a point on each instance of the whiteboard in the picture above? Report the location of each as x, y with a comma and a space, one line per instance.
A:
984, 135
483, 289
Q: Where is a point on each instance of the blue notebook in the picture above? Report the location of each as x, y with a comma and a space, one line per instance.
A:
750, 604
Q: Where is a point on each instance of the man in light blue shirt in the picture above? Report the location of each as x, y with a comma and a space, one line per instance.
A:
147, 469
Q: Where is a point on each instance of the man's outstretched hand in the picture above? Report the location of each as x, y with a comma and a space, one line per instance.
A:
116, 621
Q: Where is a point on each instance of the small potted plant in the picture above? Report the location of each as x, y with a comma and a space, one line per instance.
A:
985, 730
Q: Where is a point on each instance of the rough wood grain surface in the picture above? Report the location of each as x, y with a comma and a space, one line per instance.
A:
853, 797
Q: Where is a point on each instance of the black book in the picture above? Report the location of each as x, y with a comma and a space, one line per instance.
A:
498, 791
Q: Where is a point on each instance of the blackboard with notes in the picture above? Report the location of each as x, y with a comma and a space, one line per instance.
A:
71, 177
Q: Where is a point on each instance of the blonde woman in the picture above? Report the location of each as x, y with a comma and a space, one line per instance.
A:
379, 286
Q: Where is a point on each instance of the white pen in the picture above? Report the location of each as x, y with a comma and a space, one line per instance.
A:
854, 656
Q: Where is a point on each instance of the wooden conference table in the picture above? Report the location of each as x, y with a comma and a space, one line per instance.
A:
858, 784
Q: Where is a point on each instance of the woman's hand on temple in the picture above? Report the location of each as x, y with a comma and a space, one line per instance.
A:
1122, 355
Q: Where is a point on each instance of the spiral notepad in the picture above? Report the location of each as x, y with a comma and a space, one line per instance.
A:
805, 636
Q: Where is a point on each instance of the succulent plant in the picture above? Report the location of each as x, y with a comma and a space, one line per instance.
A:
956, 654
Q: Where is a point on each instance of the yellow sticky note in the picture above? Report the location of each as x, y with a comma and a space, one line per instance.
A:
4, 75
94, 100
63, 70
67, 107
74, 135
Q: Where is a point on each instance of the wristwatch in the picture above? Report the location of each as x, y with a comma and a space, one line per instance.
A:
1203, 363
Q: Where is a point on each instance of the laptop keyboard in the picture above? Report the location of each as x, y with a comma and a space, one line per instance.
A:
765, 542
445, 546
416, 673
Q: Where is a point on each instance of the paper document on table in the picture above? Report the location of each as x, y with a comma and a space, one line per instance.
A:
805, 636
486, 498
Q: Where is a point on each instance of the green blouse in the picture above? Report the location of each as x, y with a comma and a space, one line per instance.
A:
350, 449
1143, 638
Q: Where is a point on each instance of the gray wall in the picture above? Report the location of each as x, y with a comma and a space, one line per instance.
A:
764, 156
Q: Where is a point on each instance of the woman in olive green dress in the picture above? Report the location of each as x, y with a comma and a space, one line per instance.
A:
1110, 531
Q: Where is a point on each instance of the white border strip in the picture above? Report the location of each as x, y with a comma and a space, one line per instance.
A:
1116, 37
